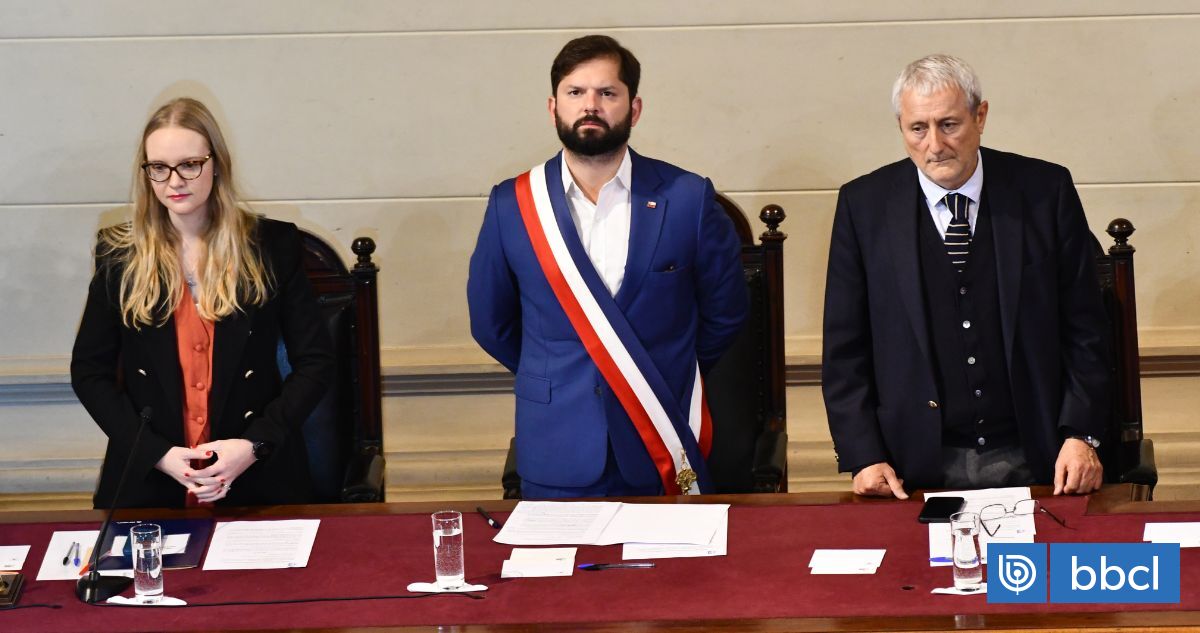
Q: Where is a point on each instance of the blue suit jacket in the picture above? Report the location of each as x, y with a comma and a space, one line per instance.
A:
683, 295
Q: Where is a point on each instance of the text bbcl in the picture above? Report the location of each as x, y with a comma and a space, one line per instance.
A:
1112, 577
1083, 573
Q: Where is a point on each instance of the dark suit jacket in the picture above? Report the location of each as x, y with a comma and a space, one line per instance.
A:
878, 378
683, 294
117, 370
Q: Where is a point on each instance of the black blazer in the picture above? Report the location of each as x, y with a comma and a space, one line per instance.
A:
117, 370
878, 378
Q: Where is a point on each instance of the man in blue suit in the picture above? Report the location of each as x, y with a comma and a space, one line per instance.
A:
607, 282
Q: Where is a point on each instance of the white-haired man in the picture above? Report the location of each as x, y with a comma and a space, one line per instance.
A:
964, 334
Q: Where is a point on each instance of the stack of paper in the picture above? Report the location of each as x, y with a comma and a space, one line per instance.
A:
846, 561
1186, 534
540, 562
648, 530
261, 544
1013, 529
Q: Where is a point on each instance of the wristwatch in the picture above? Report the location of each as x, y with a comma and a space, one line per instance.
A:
262, 450
1086, 439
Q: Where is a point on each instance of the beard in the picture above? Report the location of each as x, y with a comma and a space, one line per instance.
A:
591, 141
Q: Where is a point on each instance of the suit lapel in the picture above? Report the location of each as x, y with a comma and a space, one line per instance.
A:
161, 346
229, 341
647, 209
902, 225
1008, 220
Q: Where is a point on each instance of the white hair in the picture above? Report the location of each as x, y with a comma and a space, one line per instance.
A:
934, 72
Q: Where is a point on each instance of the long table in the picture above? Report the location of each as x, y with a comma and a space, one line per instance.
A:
368, 553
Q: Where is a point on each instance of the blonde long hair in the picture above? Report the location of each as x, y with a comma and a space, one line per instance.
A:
231, 268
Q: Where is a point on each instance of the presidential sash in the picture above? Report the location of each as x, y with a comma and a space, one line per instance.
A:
622, 360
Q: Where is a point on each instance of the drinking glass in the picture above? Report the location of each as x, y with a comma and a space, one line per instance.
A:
448, 549
146, 544
964, 535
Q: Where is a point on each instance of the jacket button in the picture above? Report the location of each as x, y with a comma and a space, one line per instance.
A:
933, 404
247, 414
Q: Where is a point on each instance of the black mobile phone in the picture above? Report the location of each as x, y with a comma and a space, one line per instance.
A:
939, 509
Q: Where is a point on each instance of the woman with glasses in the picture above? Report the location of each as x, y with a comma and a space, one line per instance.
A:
183, 320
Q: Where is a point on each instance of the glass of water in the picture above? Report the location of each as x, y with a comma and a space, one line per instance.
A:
964, 535
448, 549
146, 544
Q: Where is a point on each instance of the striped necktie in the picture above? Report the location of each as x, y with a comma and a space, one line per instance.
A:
958, 233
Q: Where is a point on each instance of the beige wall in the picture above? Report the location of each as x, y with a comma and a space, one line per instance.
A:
394, 118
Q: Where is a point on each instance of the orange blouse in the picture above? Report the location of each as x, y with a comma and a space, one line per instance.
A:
194, 336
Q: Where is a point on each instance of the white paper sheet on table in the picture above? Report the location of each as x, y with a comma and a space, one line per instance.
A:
557, 522
261, 544
1012, 529
52, 567
846, 561
718, 546
12, 557
539, 562
172, 544
609, 523
1187, 534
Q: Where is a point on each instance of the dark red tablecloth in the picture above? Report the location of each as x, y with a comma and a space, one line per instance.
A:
765, 575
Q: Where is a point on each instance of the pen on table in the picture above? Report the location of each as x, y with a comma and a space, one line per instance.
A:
600, 566
491, 521
940, 559
77, 548
70, 552
87, 561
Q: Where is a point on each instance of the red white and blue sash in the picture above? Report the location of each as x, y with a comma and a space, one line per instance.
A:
616, 351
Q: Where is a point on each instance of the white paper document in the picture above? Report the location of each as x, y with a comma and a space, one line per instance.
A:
1185, 533
609, 523
1013, 529
557, 522
846, 561
261, 544
718, 546
60, 542
172, 544
539, 562
12, 557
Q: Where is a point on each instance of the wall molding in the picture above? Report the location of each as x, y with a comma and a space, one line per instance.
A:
397, 383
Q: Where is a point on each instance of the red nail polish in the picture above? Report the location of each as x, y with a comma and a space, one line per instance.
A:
208, 453
187, 474
222, 481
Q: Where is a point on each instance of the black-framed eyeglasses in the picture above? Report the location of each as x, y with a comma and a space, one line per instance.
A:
990, 517
188, 170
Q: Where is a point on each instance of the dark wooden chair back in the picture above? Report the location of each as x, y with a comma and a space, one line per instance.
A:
745, 390
344, 434
1128, 456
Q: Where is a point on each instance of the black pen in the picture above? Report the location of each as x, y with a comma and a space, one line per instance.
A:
491, 521
600, 566
71, 552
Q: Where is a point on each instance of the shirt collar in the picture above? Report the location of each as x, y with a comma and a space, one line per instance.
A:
624, 175
973, 188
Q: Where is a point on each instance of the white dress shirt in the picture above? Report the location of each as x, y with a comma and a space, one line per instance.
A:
604, 226
935, 197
